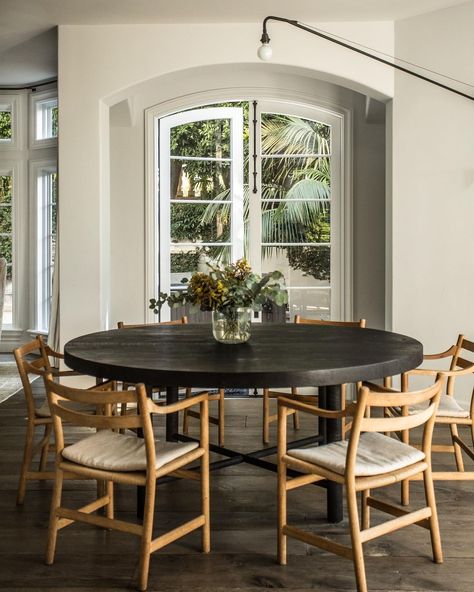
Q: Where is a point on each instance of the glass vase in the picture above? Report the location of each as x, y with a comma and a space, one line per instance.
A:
233, 326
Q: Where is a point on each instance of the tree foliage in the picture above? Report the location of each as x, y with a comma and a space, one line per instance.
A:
295, 168
5, 125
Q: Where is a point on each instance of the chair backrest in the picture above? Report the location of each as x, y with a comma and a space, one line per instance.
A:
462, 350
59, 395
371, 396
360, 323
37, 366
181, 321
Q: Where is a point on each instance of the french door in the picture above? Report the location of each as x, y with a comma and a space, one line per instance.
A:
260, 179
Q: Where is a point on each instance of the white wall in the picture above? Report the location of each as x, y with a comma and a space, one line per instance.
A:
433, 182
97, 64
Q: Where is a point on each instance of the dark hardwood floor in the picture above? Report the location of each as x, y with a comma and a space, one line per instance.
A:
243, 531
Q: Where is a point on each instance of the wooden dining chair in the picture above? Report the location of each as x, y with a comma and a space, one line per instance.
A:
111, 457
367, 460
33, 358
449, 411
268, 394
219, 421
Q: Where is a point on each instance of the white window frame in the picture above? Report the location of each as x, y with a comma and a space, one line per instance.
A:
12, 101
40, 232
290, 97
163, 128
35, 99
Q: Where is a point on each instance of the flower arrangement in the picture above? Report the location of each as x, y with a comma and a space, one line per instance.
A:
230, 292
226, 287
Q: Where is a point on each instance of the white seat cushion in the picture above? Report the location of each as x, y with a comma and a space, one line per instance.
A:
448, 407
43, 409
376, 454
119, 452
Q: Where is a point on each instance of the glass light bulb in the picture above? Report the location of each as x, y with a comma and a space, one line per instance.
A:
265, 52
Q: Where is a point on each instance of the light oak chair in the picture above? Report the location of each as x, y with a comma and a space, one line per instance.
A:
268, 394
367, 460
449, 411
219, 421
33, 359
111, 457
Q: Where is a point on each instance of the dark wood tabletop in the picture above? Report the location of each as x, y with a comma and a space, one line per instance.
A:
275, 356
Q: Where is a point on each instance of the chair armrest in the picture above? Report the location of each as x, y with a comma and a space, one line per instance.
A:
434, 372
179, 405
313, 410
449, 352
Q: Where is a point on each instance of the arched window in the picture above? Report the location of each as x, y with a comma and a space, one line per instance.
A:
260, 179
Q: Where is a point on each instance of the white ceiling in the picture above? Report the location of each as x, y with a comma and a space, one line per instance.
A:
27, 43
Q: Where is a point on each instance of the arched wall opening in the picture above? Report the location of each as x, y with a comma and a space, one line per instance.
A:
130, 157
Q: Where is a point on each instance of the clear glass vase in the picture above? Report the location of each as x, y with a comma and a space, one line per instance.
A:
233, 326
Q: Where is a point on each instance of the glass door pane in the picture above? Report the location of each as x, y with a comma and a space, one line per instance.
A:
296, 196
200, 193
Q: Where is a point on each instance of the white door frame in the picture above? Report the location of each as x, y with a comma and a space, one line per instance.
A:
319, 106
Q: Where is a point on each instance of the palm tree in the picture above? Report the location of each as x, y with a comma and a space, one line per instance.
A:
295, 168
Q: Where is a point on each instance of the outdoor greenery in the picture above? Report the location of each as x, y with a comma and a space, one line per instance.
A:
5, 125
6, 187
295, 168
225, 288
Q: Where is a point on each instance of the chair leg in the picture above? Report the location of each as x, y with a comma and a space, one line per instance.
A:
296, 420
266, 415
221, 422
405, 485
282, 538
25, 465
147, 534
296, 415
185, 414
434, 525
53, 519
45, 450
110, 505
457, 449
357, 551
365, 509
205, 504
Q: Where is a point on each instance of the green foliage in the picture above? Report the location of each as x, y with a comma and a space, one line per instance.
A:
300, 175
6, 246
225, 288
5, 125
54, 122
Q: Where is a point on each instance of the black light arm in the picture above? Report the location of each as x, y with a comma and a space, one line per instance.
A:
265, 39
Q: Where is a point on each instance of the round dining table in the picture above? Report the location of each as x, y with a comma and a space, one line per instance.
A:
277, 355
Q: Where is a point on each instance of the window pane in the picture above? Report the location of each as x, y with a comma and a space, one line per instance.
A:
187, 260
296, 178
46, 119
301, 266
5, 219
199, 179
296, 222
207, 223
5, 123
310, 303
210, 139
6, 187
285, 134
